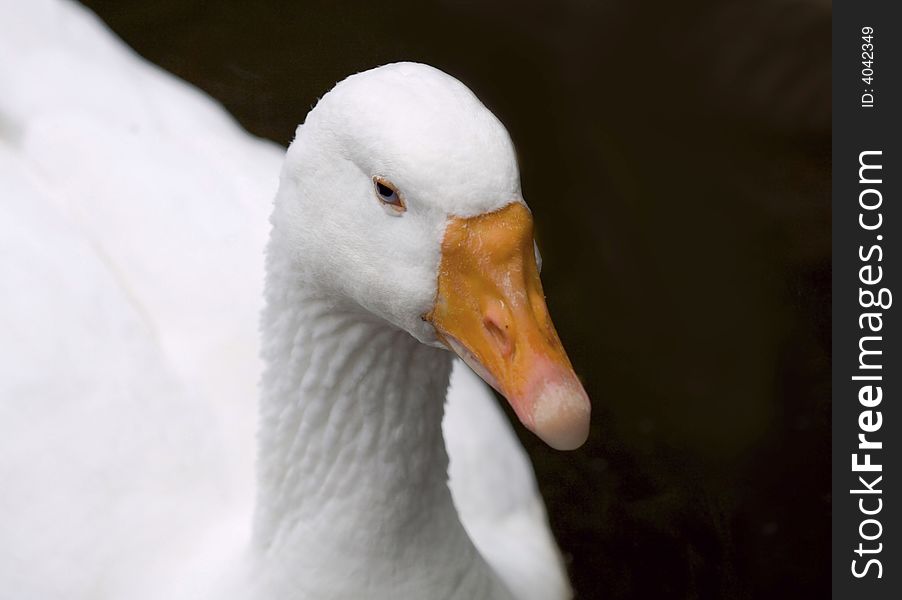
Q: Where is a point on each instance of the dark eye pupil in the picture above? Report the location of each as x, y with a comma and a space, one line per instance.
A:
384, 190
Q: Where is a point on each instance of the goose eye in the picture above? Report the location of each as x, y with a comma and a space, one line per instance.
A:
388, 195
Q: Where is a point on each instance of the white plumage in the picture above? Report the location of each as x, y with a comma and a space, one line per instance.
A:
133, 217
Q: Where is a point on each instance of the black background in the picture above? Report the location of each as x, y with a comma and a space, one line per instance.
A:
677, 158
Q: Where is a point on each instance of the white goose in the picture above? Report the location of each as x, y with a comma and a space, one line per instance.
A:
132, 214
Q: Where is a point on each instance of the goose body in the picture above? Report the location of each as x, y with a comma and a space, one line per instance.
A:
136, 458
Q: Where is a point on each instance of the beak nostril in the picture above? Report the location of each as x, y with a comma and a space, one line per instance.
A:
499, 334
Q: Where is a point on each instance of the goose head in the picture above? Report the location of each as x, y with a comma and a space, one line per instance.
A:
400, 199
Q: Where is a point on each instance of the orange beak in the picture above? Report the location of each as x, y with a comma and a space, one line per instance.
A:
491, 311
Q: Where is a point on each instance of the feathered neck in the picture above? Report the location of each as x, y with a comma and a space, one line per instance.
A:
352, 470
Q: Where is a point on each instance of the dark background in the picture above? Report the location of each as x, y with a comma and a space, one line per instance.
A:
677, 158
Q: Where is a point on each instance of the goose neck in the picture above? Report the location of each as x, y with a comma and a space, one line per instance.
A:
352, 466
